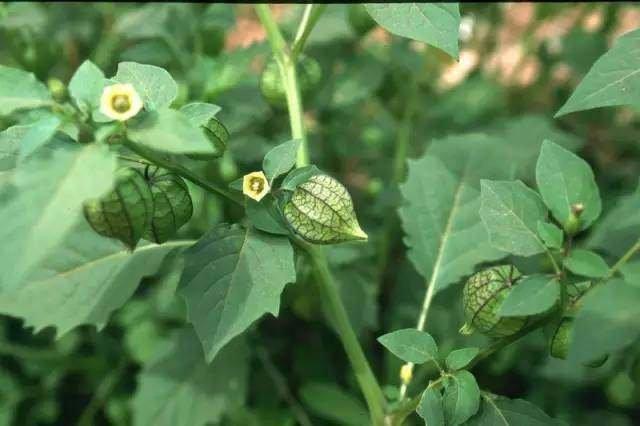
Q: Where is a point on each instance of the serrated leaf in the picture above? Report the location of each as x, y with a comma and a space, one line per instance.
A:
511, 211
88, 278
435, 24
460, 358
86, 86
199, 113
564, 179
298, 176
320, 211
614, 79
169, 131
550, 234
156, 87
280, 159
501, 411
461, 397
125, 212
20, 90
232, 277
532, 295
440, 212
172, 206
586, 263
606, 322
178, 388
332, 403
46, 196
410, 345
430, 407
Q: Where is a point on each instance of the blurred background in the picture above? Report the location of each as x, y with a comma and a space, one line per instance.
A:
518, 64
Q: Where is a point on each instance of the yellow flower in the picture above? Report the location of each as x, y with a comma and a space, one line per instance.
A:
255, 185
406, 372
120, 102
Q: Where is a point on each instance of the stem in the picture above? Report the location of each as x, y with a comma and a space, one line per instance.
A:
367, 381
624, 259
286, 62
102, 393
281, 386
278, 45
161, 161
288, 74
311, 15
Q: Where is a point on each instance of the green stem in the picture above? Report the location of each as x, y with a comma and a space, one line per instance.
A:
367, 381
623, 260
286, 62
288, 74
161, 161
311, 15
281, 386
103, 391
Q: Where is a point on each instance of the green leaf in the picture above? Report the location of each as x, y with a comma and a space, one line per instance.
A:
179, 388
607, 321
460, 358
631, 272
564, 180
461, 397
532, 295
435, 24
298, 176
501, 411
586, 263
156, 87
440, 212
199, 113
550, 234
39, 134
47, 195
233, 276
169, 131
84, 282
20, 90
280, 159
265, 216
410, 345
86, 86
331, 403
620, 227
430, 407
613, 80
511, 211
320, 211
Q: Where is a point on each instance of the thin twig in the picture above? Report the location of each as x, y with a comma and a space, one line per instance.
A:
282, 387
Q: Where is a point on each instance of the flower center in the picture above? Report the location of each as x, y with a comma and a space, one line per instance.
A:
121, 103
256, 185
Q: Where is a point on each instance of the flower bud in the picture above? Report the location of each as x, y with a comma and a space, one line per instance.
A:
573, 222
125, 212
320, 211
482, 298
172, 205
57, 89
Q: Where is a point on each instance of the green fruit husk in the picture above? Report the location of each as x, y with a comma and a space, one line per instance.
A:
125, 212
482, 297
